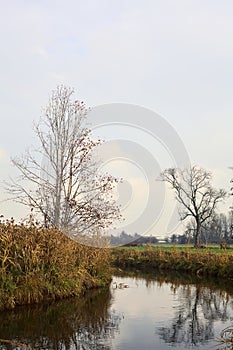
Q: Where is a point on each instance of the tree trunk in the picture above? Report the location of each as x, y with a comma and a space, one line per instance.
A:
197, 234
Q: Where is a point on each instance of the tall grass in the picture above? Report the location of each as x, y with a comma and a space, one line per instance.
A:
200, 262
38, 263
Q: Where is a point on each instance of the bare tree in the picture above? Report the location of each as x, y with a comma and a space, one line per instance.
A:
64, 186
231, 190
194, 192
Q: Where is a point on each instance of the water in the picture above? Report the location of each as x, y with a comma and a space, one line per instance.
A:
155, 312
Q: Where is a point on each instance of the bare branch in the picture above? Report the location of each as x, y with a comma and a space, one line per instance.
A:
195, 194
65, 188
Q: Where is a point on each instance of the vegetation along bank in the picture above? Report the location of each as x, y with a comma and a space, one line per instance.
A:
39, 264
213, 262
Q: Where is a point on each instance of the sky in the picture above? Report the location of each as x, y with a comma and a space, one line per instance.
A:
172, 57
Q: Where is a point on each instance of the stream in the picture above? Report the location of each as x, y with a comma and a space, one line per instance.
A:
138, 311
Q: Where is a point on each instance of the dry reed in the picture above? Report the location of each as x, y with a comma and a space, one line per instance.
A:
38, 263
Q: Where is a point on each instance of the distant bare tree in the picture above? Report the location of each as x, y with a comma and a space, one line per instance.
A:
231, 191
65, 187
194, 192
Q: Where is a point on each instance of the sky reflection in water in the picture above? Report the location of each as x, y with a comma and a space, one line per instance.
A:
153, 313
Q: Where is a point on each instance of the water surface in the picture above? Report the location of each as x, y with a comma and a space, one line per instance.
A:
153, 312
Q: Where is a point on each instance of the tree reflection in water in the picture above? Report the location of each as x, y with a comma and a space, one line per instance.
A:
89, 323
81, 324
199, 303
198, 308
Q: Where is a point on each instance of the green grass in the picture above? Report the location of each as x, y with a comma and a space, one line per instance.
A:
181, 247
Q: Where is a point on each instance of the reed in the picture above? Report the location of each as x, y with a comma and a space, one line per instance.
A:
38, 264
199, 262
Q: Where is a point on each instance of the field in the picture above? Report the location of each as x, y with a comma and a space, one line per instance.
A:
182, 247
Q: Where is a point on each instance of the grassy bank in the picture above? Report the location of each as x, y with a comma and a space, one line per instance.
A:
38, 264
202, 262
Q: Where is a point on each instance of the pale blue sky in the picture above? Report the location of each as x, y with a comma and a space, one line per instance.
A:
172, 56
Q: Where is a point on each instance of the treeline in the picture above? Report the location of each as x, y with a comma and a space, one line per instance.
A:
216, 231
136, 239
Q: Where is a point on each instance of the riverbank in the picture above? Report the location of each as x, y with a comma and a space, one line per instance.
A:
38, 264
201, 262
